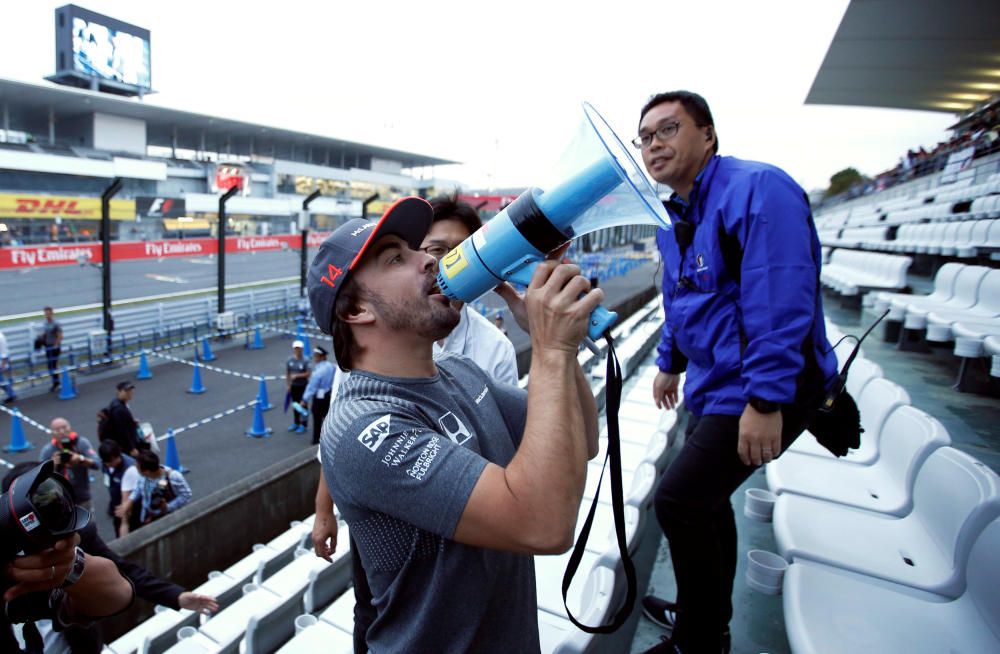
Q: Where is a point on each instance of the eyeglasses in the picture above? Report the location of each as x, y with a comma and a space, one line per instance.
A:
436, 250
663, 132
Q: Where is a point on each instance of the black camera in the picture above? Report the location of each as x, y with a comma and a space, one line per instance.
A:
38, 510
65, 456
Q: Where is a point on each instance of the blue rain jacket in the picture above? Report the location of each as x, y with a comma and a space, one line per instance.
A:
776, 304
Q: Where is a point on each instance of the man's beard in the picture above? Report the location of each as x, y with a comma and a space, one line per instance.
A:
432, 320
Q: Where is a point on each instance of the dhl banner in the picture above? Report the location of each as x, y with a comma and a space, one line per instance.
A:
73, 253
25, 205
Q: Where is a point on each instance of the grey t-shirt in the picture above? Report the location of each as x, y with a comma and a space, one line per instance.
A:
401, 457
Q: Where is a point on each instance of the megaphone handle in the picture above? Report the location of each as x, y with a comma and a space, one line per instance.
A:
601, 319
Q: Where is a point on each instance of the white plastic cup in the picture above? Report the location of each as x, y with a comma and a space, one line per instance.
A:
249, 588
304, 621
186, 632
759, 504
765, 571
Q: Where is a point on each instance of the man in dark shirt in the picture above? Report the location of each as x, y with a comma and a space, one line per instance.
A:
121, 426
52, 340
297, 372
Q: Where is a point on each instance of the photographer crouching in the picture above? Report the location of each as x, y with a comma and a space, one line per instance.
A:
160, 491
44, 575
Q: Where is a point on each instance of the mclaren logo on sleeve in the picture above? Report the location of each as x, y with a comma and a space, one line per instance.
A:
374, 434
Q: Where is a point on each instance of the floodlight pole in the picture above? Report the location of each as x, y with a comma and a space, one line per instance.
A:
222, 246
364, 205
304, 264
106, 196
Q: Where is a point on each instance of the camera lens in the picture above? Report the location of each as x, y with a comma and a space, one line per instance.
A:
54, 506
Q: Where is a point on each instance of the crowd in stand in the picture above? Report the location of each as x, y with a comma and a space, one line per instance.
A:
980, 131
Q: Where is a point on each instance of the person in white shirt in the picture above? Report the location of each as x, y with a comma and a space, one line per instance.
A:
474, 337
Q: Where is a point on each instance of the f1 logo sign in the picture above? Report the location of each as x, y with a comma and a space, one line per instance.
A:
454, 429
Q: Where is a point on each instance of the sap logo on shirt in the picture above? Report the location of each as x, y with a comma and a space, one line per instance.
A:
374, 434
454, 429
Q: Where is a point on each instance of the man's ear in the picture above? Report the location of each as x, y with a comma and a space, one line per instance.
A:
360, 314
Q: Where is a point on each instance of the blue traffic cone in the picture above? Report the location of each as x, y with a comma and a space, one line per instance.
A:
265, 404
144, 371
173, 459
306, 350
18, 443
258, 429
206, 350
66, 389
196, 386
257, 344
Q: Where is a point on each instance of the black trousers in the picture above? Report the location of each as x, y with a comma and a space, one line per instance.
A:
364, 612
297, 393
319, 409
52, 361
694, 510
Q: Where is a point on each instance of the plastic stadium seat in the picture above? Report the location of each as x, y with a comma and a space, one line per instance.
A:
987, 307
927, 549
915, 310
327, 583
829, 611
978, 237
886, 486
877, 399
970, 337
320, 637
944, 289
992, 346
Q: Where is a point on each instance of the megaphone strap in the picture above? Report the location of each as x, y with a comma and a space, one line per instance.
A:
613, 396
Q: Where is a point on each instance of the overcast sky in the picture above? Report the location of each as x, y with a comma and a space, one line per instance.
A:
498, 85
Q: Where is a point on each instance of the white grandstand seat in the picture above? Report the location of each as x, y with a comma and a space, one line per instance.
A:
341, 612
201, 644
603, 540
160, 631
945, 241
850, 271
967, 296
327, 583
978, 236
992, 346
268, 631
933, 237
992, 243
320, 637
886, 486
247, 568
987, 307
637, 485
926, 549
156, 633
829, 610
913, 312
226, 628
961, 237
944, 289
878, 398
285, 543
590, 596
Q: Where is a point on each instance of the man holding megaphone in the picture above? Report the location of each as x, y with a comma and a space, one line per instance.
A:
745, 321
448, 480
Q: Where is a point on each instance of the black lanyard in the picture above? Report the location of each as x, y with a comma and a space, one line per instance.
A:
613, 395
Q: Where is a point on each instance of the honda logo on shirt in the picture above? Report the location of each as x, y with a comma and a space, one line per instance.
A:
454, 429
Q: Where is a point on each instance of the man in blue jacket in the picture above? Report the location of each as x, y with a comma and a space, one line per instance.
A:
744, 320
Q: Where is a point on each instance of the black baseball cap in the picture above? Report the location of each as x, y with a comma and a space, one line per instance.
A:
408, 218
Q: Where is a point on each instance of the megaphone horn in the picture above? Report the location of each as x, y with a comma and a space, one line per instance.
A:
604, 188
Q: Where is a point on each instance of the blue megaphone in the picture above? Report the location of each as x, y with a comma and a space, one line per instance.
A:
600, 186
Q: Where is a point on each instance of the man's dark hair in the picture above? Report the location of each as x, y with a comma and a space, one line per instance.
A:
343, 338
449, 207
47, 309
148, 461
15, 472
109, 450
693, 104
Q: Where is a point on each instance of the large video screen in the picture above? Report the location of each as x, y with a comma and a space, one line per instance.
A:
111, 54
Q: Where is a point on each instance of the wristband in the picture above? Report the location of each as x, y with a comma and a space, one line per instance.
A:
79, 562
